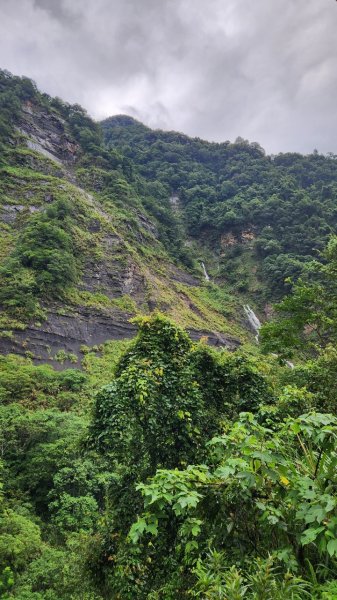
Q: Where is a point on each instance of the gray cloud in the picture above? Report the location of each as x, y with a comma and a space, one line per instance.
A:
218, 69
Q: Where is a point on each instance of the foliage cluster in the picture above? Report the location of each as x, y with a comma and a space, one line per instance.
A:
197, 473
248, 508
43, 261
171, 489
282, 207
306, 319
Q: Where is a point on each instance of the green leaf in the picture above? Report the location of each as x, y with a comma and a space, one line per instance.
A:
152, 528
332, 547
137, 529
310, 535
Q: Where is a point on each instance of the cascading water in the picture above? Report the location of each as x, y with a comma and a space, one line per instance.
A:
254, 321
174, 201
205, 272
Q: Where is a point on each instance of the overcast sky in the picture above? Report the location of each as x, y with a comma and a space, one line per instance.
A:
262, 69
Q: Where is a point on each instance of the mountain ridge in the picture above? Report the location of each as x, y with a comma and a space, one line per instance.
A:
135, 462
122, 280
138, 212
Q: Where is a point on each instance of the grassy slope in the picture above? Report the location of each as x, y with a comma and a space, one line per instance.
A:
254, 219
29, 182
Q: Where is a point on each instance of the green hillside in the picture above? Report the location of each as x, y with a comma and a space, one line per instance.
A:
259, 219
80, 238
156, 444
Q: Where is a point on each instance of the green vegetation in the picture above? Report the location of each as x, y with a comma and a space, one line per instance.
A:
159, 468
191, 474
42, 262
77, 230
233, 199
308, 317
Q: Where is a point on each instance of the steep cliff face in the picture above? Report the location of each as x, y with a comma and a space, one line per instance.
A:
61, 338
123, 268
47, 134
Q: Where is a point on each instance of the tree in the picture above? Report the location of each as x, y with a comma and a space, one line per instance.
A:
151, 413
261, 492
169, 397
306, 320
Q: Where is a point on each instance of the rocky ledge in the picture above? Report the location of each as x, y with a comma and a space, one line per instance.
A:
68, 333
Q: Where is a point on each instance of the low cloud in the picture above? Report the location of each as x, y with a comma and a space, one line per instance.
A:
259, 69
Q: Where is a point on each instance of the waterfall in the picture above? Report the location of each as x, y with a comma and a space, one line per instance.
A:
254, 321
205, 272
174, 200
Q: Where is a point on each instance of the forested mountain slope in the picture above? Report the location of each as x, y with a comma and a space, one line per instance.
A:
135, 213
81, 251
176, 464
261, 217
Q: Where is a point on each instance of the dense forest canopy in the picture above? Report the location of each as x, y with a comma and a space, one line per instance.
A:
284, 204
160, 468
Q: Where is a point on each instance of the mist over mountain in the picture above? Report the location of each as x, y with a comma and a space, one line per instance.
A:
168, 335
237, 68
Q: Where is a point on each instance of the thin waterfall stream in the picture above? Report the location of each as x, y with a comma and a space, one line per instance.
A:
254, 321
204, 270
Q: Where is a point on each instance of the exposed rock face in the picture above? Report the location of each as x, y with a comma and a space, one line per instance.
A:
68, 333
116, 270
147, 224
219, 340
9, 212
85, 326
182, 277
46, 134
113, 280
